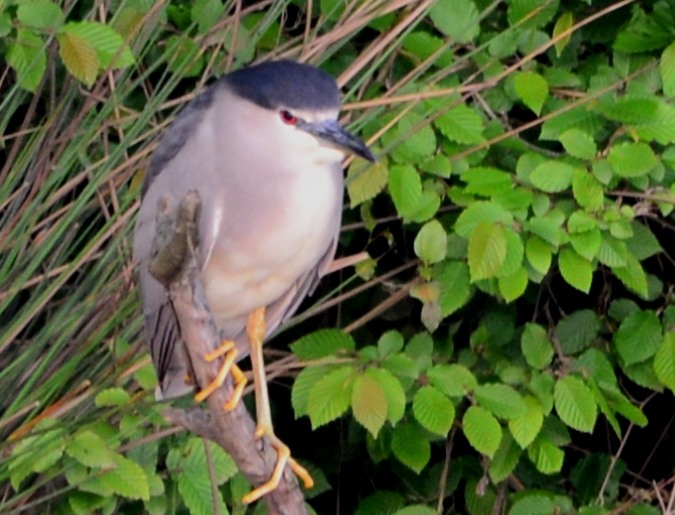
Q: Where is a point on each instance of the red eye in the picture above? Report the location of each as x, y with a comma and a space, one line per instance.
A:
288, 118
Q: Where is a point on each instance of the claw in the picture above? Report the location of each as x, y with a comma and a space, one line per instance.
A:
229, 350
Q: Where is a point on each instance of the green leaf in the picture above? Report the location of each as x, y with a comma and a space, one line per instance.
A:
365, 180
482, 430
638, 337
486, 181
110, 47
384, 502
40, 14
413, 139
587, 244
206, 13
453, 380
127, 479
369, 403
433, 410
79, 55
632, 159
562, 25
527, 426
536, 346
390, 343
575, 404
458, 19
487, 250
632, 275
416, 509
322, 343
532, 89
643, 244
667, 68
576, 270
533, 504
664, 361
331, 396
505, 460
405, 187
578, 143
552, 176
455, 285
501, 400
431, 243
112, 397
515, 250
513, 286
538, 254
462, 125
303, 385
577, 331
612, 252
547, 228
546, 456
28, 58
410, 446
588, 191
91, 450
393, 391
481, 212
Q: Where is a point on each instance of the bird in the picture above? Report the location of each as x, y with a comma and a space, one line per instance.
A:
263, 148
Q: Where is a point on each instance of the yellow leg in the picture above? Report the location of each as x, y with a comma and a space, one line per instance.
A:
255, 330
239, 385
229, 350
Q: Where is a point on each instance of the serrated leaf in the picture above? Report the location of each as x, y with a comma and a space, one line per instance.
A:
562, 25
532, 89
482, 430
405, 187
638, 337
536, 346
384, 502
552, 176
462, 125
533, 504
458, 19
538, 254
632, 275
79, 55
393, 391
28, 58
587, 244
481, 212
505, 459
431, 242
631, 159
513, 286
612, 252
487, 250
453, 380
331, 396
667, 68
575, 404
501, 400
127, 479
91, 450
577, 331
588, 191
546, 456
390, 343
576, 270
304, 384
643, 244
455, 285
40, 14
413, 139
546, 228
433, 410
322, 343
527, 426
115, 396
515, 250
664, 361
369, 404
110, 48
578, 143
410, 446
365, 181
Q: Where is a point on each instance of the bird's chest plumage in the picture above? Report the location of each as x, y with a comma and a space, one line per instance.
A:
266, 245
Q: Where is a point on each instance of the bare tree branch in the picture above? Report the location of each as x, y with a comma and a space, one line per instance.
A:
175, 266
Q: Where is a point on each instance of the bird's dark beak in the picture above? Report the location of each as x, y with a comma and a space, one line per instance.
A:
332, 132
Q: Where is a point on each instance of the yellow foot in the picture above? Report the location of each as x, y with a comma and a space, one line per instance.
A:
284, 457
229, 350
239, 385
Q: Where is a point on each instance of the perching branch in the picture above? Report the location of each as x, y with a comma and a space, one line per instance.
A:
174, 264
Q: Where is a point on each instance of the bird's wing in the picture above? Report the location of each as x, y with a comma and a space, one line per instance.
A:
170, 172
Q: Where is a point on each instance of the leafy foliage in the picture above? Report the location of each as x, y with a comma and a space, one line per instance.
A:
517, 303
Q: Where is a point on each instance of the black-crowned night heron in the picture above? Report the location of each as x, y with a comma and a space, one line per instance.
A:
263, 148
